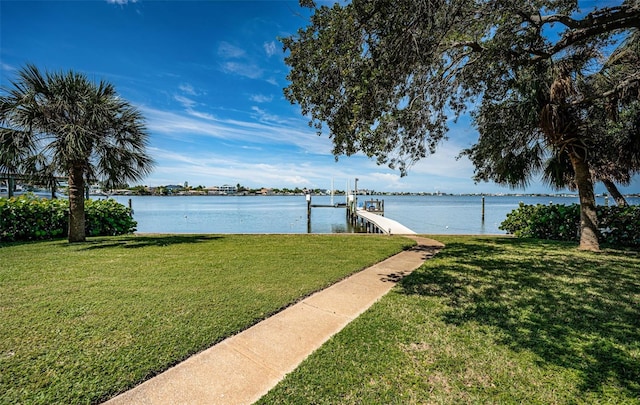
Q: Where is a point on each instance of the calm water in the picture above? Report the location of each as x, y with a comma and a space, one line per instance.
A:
288, 214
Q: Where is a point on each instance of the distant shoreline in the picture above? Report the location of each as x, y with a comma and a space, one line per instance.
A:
565, 195
381, 194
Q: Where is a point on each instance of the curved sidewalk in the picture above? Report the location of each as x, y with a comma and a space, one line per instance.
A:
244, 367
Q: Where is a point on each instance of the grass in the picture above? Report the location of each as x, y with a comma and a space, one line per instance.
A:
80, 323
488, 320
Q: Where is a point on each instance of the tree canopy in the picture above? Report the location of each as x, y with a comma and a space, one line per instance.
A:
385, 77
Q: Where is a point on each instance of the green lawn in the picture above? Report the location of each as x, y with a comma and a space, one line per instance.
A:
489, 320
80, 323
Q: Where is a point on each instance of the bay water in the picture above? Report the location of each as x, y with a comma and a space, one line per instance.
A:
445, 214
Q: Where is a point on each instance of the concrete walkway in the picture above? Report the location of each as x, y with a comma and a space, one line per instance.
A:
244, 367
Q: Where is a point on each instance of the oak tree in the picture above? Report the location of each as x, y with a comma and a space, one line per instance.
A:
384, 77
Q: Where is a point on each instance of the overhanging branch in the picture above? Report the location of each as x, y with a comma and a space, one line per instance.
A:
600, 22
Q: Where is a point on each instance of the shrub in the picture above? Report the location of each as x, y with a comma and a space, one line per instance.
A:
107, 217
28, 217
618, 226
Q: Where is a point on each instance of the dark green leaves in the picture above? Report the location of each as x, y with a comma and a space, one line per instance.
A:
383, 77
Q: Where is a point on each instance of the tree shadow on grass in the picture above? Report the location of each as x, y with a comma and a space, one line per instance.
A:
134, 242
573, 309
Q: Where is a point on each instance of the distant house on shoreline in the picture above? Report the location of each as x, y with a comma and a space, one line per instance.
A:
222, 190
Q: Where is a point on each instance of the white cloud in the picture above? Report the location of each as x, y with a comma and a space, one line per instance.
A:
261, 98
229, 51
270, 48
251, 71
444, 163
185, 126
185, 101
202, 115
7, 67
386, 181
121, 2
209, 169
272, 80
188, 89
236, 61
262, 115
274, 151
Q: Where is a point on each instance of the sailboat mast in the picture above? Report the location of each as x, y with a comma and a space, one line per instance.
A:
332, 191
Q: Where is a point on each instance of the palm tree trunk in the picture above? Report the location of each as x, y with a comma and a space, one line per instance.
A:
11, 183
76, 205
588, 215
615, 193
54, 187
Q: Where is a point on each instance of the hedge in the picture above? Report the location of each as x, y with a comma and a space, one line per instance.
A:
28, 217
619, 226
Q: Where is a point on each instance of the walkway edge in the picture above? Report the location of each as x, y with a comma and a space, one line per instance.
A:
244, 367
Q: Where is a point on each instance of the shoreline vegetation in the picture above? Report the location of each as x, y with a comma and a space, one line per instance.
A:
239, 190
111, 193
487, 320
382, 193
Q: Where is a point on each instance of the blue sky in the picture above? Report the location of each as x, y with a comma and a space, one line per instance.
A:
208, 77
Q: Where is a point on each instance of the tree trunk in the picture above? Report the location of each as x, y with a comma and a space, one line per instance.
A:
76, 205
588, 215
615, 193
11, 184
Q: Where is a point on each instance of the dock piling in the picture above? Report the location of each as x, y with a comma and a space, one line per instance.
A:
308, 197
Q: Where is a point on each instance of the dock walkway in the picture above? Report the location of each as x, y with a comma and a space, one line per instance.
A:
386, 225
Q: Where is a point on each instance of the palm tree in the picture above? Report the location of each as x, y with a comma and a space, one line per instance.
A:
83, 129
558, 174
575, 129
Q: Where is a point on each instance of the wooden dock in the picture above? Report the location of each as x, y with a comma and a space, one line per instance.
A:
375, 223
370, 218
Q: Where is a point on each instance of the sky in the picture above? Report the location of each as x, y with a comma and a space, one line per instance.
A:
208, 77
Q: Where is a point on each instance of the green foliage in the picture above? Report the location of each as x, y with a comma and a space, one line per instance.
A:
621, 225
30, 218
140, 190
618, 226
385, 78
66, 124
108, 217
27, 217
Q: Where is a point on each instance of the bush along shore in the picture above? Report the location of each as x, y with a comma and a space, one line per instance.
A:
618, 225
28, 217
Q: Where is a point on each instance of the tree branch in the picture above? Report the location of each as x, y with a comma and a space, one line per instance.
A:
600, 22
541, 20
474, 45
630, 82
